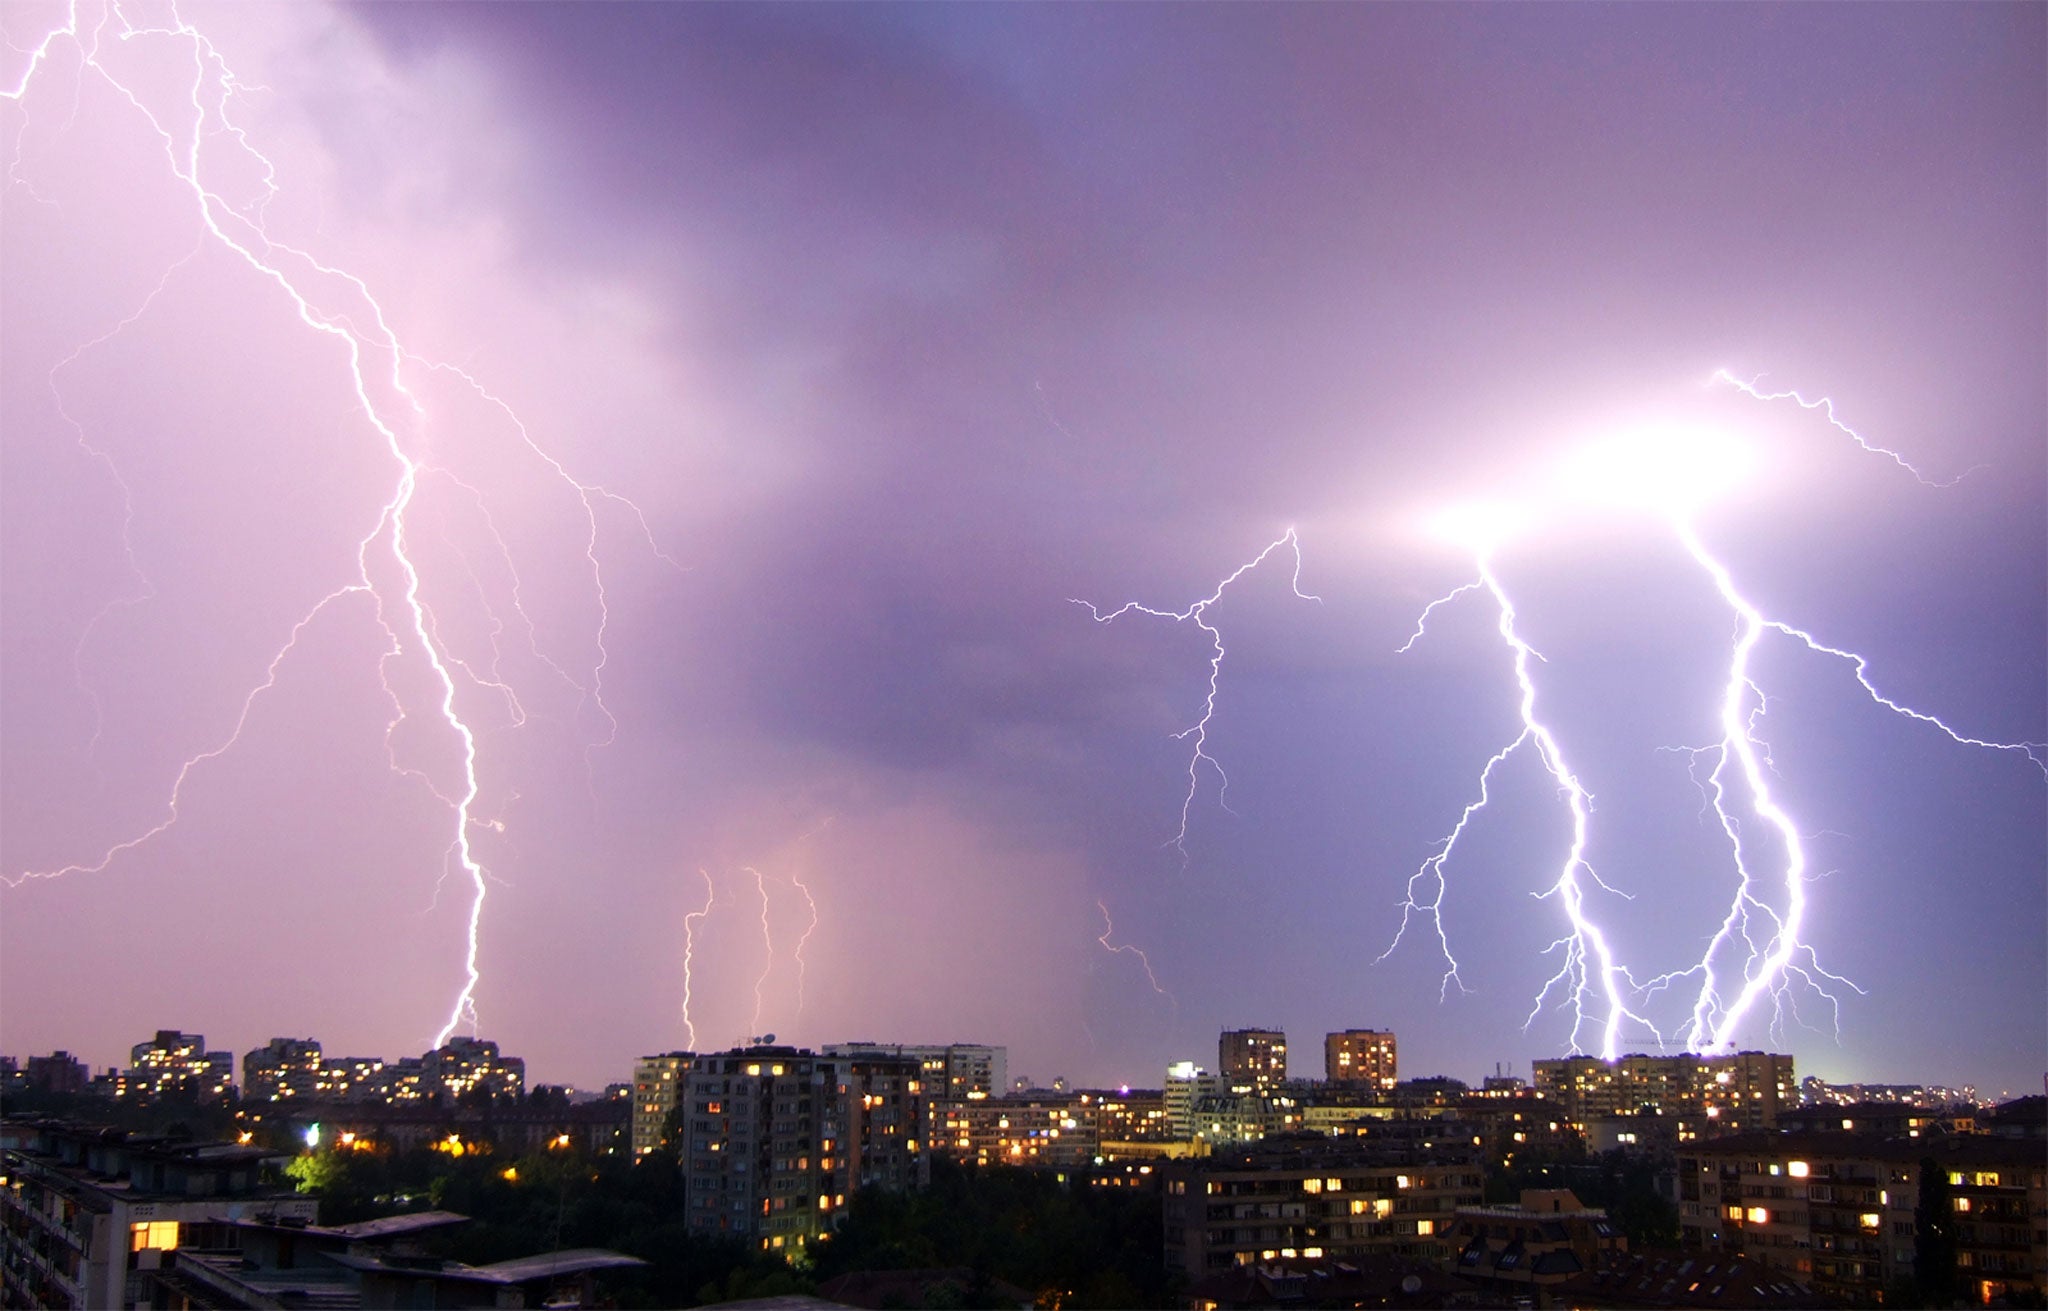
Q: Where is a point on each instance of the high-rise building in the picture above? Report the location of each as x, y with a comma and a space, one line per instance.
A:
1058, 1130
657, 1091
1186, 1085
465, 1065
1360, 1058
886, 1101
773, 1139
1710, 1094
283, 1067
958, 1071
59, 1072
1253, 1060
175, 1064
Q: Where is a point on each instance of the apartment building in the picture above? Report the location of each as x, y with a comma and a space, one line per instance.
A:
1360, 1058
1838, 1209
1053, 1131
1252, 1060
1310, 1197
88, 1213
657, 1091
1707, 1095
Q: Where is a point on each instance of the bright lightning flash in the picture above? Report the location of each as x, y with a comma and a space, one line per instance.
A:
204, 148
1197, 733
1759, 951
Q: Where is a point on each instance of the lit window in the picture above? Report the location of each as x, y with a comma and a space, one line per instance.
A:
159, 1235
1758, 1215
1798, 1169
1425, 1228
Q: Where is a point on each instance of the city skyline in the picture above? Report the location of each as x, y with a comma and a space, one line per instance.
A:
617, 484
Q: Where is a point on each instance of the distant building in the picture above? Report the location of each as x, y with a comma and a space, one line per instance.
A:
88, 1214
283, 1067
1814, 1090
470, 1066
958, 1071
1253, 1060
1054, 1131
1709, 1095
1132, 1115
1186, 1084
1430, 1090
657, 1091
1884, 1119
1245, 1117
59, 1072
297, 1070
175, 1064
596, 1128
1360, 1057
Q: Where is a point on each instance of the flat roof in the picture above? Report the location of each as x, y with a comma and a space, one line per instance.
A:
392, 1225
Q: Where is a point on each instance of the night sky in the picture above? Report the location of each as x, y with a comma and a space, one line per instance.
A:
773, 379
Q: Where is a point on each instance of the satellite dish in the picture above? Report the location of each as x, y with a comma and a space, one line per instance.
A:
1412, 1284
767, 1037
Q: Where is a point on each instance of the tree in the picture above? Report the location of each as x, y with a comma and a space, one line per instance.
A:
1934, 1237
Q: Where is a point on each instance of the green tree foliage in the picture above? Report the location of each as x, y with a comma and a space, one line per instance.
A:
316, 1172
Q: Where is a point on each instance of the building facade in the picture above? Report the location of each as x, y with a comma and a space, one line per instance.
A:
175, 1064
1360, 1058
87, 1214
1709, 1095
959, 1071
1838, 1209
469, 1066
764, 1146
1253, 1060
657, 1091
1311, 1197
1056, 1132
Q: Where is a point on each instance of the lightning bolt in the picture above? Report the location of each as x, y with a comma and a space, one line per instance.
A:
1758, 952
1588, 976
1108, 929
803, 942
1826, 407
767, 943
145, 590
689, 948
375, 361
1197, 733
797, 954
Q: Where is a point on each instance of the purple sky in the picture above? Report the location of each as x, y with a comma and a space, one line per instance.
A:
900, 327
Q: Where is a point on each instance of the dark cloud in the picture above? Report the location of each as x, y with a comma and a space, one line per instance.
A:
904, 326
